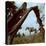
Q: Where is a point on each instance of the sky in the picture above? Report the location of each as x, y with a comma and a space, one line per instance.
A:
31, 20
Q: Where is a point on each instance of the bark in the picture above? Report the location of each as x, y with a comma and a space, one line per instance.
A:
18, 25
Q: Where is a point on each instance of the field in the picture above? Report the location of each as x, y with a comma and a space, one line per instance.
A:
37, 38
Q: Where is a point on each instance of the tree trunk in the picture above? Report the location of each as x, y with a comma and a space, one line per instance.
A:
18, 25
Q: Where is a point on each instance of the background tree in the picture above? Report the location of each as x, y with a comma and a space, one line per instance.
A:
27, 28
35, 30
19, 34
23, 34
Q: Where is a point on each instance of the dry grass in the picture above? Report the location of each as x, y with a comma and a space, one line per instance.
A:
37, 38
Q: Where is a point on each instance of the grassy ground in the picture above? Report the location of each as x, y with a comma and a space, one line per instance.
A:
37, 38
